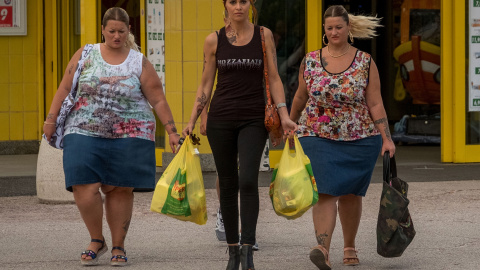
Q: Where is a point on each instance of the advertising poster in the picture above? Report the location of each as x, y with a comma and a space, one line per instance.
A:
156, 37
13, 19
474, 53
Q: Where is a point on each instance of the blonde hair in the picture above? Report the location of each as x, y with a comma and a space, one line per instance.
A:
361, 26
119, 14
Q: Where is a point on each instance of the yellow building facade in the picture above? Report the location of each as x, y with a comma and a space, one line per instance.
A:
32, 65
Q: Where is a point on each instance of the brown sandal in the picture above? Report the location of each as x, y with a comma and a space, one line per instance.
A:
350, 260
319, 257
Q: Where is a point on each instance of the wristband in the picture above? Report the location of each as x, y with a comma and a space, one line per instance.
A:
279, 105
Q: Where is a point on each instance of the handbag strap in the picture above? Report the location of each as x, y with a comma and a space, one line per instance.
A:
265, 68
389, 167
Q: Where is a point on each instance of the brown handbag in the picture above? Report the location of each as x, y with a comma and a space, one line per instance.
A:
272, 119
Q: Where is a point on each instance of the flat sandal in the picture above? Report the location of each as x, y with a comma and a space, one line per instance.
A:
350, 260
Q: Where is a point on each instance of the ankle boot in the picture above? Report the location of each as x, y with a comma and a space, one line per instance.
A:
234, 258
246, 258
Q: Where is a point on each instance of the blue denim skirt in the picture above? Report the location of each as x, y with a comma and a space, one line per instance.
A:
342, 167
127, 162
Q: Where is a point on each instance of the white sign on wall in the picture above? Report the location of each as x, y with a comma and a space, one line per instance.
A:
156, 37
474, 56
13, 18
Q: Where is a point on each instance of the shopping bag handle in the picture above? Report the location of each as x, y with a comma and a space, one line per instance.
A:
389, 167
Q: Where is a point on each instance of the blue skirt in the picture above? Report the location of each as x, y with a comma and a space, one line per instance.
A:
128, 162
342, 167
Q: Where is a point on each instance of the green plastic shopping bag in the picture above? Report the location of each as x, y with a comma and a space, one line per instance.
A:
180, 192
293, 189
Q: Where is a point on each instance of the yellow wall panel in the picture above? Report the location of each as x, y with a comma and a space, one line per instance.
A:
170, 77
16, 68
16, 45
189, 15
30, 97
204, 19
176, 106
190, 77
4, 44
16, 126
217, 15
189, 48
31, 126
30, 42
4, 99
200, 73
30, 69
5, 125
4, 69
188, 101
16, 97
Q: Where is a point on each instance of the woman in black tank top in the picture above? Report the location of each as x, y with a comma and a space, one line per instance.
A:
235, 125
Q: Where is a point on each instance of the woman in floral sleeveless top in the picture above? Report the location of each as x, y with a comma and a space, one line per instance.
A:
109, 142
342, 127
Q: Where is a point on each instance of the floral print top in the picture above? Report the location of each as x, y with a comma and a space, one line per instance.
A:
336, 108
109, 101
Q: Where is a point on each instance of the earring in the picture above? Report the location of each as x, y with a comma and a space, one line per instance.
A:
351, 37
323, 39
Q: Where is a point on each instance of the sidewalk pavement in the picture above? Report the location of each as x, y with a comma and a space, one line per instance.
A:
445, 214
445, 205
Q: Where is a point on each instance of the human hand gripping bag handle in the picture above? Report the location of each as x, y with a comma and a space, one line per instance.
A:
180, 192
272, 119
68, 103
395, 229
293, 189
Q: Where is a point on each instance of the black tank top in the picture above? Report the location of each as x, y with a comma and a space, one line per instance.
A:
239, 94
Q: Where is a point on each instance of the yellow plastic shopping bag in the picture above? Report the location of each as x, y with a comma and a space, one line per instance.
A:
180, 192
293, 189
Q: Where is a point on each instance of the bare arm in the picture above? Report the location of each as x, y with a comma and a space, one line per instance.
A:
377, 111
204, 90
153, 91
301, 96
276, 86
62, 92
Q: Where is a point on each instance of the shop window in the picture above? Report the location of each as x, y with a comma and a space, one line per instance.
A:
286, 19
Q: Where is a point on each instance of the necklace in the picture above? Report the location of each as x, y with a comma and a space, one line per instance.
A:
336, 56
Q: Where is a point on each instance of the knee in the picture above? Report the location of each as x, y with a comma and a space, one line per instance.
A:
91, 189
109, 190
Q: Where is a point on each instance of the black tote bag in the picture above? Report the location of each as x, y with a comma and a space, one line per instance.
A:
395, 229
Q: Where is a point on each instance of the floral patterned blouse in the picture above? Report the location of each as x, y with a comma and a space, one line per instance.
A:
336, 108
109, 101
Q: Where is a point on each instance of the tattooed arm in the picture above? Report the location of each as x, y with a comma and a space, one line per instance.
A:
62, 92
204, 90
153, 90
276, 85
377, 111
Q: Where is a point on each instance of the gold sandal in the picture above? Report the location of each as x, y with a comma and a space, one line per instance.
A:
319, 257
350, 260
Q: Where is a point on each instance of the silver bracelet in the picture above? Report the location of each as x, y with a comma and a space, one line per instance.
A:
279, 105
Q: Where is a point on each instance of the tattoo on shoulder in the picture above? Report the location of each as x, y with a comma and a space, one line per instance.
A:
144, 62
70, 69
324, 62
321, 238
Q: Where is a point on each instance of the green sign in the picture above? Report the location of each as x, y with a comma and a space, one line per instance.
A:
476, 39
476, 102
477, 69
476, 3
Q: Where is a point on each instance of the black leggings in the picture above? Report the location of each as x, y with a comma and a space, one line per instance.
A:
247, 140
